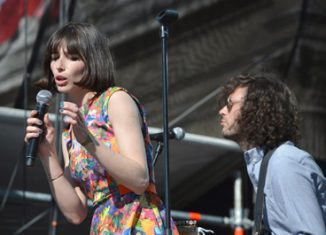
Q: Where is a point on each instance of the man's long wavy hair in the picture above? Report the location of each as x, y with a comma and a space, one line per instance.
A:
269, 115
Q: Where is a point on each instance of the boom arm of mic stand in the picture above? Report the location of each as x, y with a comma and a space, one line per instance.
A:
159, 148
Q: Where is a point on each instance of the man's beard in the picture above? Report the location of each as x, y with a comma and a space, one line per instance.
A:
233, 132
232, 136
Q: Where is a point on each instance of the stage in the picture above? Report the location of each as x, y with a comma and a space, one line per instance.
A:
197, 164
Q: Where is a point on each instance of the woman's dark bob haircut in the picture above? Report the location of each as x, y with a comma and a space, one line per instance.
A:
91, 46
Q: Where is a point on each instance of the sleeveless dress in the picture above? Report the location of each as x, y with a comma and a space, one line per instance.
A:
117, 210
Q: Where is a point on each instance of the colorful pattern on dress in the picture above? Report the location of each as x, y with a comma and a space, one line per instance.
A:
117, 209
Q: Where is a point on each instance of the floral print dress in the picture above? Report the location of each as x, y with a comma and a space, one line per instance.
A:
117, 210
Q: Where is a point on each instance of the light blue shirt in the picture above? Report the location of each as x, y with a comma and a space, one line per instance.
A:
295, 190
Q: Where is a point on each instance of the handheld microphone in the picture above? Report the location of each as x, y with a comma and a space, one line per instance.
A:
175, 133
43, 98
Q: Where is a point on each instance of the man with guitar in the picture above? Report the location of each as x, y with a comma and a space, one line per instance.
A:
260, 114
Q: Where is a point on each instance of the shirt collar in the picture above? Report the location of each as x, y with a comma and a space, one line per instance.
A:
254, 155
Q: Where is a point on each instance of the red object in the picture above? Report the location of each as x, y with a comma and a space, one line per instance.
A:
11, 11
238, 231
194, 216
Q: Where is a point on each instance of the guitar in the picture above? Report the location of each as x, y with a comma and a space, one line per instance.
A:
187, 227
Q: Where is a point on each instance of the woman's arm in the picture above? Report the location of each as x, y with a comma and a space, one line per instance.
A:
129, 166
70, 199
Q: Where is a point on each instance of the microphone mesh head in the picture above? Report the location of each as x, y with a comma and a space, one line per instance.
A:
179, 133
43, 96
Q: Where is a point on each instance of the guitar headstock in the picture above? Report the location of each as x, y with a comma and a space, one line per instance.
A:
187, 227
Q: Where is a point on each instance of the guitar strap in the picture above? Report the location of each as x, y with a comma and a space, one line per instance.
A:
259, 205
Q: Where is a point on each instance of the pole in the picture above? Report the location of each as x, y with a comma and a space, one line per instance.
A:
238, 210
165, 17
53, 223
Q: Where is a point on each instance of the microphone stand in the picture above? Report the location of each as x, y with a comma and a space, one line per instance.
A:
64, 18
166, 17
158, 151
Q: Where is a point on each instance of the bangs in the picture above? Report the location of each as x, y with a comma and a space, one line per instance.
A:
68, 41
